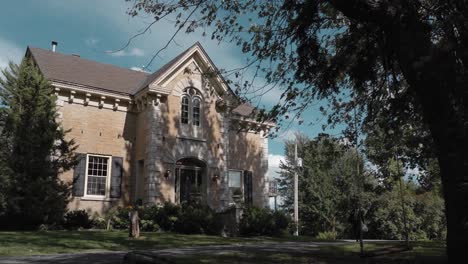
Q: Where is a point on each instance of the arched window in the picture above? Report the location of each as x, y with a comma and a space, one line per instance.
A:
185, 110
196, 111
191, 107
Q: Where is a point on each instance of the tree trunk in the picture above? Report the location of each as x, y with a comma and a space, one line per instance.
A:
134, 224
449, 133
435, 80
439, 83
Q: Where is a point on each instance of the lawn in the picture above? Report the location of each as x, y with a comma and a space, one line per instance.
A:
50, 242
421, 252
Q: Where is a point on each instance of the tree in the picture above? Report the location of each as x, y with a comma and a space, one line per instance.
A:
34, 149
317, 191
329, 192
407, 57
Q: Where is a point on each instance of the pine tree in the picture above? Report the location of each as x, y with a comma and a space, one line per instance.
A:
34, 149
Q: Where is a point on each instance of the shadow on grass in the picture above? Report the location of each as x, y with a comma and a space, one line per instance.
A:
49, 242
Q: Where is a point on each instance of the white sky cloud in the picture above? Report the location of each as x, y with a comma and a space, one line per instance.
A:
273, 165
272, 97
287, 134
9, 52
274, 160
134, 52
135, 68
91, 42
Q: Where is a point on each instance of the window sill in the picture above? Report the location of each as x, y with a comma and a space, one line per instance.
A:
191, 138
98, 198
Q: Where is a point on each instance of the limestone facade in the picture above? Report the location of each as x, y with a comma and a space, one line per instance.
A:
161, 155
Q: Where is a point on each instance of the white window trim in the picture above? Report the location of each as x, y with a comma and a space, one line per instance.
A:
189, 105
200, 111
190, 110
109, 175
241, 179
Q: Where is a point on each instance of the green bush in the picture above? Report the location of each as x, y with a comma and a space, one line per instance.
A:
167, 216
188, 218
263, 221
77, 219
196, 218
147, 225
99, 222
120, 218
327, 235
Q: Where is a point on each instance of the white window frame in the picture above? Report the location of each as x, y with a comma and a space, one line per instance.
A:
189, 105
191, 98
108, 178
241, 179
200, 108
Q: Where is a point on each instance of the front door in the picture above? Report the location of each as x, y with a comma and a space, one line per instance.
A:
188, 183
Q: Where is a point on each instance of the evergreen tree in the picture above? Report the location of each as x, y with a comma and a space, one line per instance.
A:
328, 189
34, 149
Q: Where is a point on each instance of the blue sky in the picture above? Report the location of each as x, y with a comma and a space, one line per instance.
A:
90, 28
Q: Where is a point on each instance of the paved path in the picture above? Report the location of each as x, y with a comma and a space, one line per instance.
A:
117, 256
88, 258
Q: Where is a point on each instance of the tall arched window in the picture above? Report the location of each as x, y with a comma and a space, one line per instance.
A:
185, 110
191, 105
196, 111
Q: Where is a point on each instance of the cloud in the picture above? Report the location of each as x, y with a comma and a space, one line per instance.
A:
272, 97
140, 69
135, 52
9, 52
284, 135
91, 42
274, 161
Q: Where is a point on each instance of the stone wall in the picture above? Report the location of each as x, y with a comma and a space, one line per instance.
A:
148, 129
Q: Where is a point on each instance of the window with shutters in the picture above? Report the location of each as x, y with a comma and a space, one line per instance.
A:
235, 179
98, 171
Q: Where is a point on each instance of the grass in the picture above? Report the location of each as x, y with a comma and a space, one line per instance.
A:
421, 252
53, 242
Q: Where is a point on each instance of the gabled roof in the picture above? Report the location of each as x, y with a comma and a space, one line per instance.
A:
76, 70
73, 69
155, 75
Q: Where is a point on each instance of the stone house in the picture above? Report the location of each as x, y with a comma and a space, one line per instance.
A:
166, 136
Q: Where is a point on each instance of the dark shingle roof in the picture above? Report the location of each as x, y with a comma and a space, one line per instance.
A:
73, 69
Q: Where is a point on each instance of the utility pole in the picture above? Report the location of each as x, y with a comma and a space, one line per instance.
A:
402, 201
360, 187
296, 195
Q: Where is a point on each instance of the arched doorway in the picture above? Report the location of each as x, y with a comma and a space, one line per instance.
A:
190, 183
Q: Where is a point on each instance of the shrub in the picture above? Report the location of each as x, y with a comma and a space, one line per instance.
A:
196, 218
262, 221
328, 235
167, 216
188, 218
77, 219
147, 225
119, 218
99, 222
